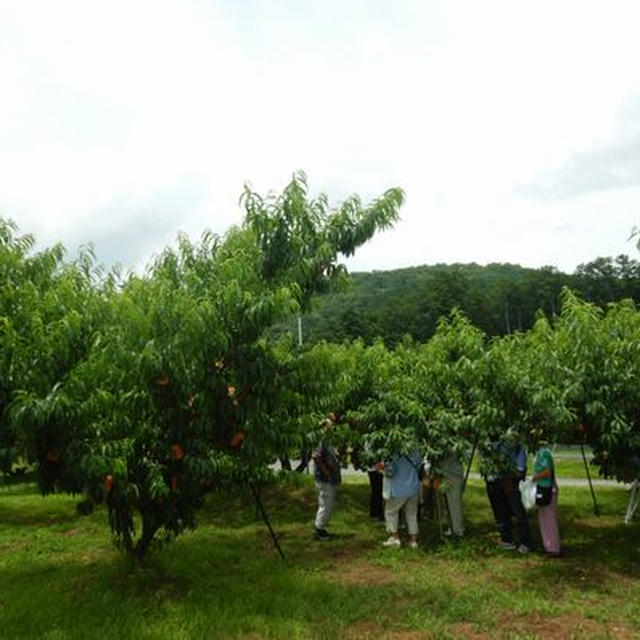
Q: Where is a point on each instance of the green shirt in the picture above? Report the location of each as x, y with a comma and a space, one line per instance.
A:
544, 460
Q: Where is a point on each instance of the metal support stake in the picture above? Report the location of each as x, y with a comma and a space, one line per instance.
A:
596, 509
266, 519
473, 451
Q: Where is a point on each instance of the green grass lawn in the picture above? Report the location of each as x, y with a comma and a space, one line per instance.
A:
60, 576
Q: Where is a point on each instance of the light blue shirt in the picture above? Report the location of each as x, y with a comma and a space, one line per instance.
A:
401, 477
519, 458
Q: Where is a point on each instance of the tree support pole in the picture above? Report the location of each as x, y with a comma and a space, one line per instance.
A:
473, 451
596, 509
266, 519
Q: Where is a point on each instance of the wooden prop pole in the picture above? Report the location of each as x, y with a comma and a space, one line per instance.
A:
266, 519
596, 509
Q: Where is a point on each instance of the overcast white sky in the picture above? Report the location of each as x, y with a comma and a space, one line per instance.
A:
513, 127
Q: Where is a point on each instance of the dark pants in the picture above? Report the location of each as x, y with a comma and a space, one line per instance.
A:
376, 504
493, 491
508, 506
305, 457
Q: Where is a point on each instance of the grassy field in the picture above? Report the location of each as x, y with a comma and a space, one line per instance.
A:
60, 577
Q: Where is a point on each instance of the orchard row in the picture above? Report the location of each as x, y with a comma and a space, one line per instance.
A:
147, 392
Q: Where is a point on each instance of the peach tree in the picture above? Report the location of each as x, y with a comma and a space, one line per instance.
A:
449, 375
419, 396
182, 391
49, 310
599, 352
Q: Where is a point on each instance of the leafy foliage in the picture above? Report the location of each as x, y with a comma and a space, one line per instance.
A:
497, 298
150, 394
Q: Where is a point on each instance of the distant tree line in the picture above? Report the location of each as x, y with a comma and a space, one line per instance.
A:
498, 298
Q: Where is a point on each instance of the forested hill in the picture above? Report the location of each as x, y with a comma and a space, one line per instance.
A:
498, 298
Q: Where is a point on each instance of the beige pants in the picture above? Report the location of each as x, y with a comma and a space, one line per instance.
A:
453, 494
392, 508
326, 500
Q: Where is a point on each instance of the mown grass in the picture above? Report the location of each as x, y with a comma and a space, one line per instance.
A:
60, 576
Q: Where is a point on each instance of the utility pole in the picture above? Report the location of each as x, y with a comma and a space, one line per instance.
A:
299, 330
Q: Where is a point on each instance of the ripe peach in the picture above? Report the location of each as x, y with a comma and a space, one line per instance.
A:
108, 482
237, 439
176, 452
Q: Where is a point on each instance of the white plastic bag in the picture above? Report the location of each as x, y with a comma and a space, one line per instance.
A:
528, 494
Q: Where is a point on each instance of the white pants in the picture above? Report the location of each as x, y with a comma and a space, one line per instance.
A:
392, 508
326, 500
633, 500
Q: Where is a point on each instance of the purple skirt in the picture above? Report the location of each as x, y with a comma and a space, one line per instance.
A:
548, 521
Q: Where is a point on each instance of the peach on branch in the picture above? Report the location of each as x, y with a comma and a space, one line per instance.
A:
237, 439
107, 482
176, 452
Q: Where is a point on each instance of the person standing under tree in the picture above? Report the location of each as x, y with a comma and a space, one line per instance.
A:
362, 460
453, 476
547, 499
505, 464
511, 503
401, 488
376, 501
634, 488
327, 478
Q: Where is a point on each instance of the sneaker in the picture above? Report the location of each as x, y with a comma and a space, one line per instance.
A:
523, 548
413, 544
509, 546
454, 535
392, 542
322, 534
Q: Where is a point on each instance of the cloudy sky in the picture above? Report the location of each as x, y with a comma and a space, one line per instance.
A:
512, 126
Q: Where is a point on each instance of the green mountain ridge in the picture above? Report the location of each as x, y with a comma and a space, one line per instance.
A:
498, 298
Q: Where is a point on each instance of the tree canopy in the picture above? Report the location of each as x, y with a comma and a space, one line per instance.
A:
148, 392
